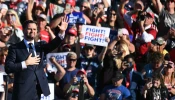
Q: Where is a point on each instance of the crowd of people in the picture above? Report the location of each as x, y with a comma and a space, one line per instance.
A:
137, 63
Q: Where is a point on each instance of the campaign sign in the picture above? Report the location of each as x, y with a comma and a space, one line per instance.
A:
60, 58
95, 35
51, 96
74, 16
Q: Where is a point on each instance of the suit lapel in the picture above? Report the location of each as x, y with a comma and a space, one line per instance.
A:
39, 52
24, 51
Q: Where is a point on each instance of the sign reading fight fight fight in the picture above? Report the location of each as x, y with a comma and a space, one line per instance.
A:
60, 58
95, 35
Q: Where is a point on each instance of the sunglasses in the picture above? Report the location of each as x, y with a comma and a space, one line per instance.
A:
10, 14
89, 48
170, 0
84, 6
6, 35
72, 59
112, 14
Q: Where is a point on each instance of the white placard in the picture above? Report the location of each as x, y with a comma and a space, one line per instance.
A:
51, 96
95, 35
1, 82
60, 58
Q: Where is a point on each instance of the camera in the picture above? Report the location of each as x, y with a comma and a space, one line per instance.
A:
78, 79
74, 95
128, 64
140, 16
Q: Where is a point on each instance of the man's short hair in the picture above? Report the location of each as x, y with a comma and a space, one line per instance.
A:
26, 23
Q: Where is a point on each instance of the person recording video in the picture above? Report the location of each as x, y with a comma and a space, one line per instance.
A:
145, 31
75, 84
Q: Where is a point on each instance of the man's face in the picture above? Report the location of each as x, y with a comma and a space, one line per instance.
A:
71, 62
156, 64
89, 51
100, 8
31, 31
148, 20
170, 4
117, 82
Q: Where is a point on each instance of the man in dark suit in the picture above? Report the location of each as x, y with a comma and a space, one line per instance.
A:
25, 60
133, 80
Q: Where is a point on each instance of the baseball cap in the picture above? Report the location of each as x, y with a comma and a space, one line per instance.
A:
122, 31
159, 41
43, 16
151, 14
80, 21
66, 47
170, 64
72, 31
118, 75
71, 55
81, 71
71, 2
3, 6
89, 46
75, 90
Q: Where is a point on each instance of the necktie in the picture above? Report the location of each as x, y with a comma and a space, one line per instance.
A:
31, 49
128, 80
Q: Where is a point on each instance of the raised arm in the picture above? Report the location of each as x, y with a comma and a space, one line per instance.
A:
61, 72
122, 6
54, 23
29, 10
103, 52
88, 21
58, 40
52, 36
106, 3
158, 5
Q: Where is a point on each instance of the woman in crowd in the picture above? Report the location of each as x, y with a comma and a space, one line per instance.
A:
12, 19
86, 9
113, 20
75, 84
168, 78
3, 54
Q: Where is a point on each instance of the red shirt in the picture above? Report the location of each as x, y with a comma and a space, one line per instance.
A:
44, 35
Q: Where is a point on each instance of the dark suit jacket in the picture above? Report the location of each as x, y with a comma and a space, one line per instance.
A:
136, 85
25, 79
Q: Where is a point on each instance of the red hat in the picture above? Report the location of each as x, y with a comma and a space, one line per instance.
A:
72, 31
75, 90
82, 71
151, 14
71, 2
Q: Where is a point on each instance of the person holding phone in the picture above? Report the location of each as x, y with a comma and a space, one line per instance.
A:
155, 89
168, 78
12, 21
75, 83
133, 80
